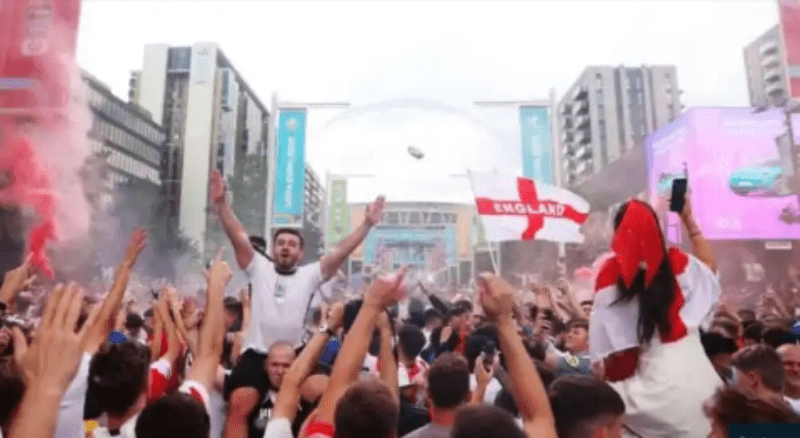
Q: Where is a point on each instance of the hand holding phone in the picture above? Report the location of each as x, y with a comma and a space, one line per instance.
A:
678, 199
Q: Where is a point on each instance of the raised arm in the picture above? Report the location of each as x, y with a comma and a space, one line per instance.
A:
14, 281
212, 332
112, 304
700, 246
233, 228
289, 395
497, 298
386, 355
382, 293
331, 262
173, 344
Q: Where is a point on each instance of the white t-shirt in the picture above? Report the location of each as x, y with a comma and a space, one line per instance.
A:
279, 303
70, 410
794, 403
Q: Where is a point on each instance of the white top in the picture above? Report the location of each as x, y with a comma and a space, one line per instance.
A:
794, 403
128, 430
664, 398
492, 389
70, 411
278, 428
279, 303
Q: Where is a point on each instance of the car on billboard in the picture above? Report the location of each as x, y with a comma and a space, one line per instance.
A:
765, 178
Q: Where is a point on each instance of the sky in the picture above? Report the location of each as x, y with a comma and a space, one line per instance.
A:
412, 70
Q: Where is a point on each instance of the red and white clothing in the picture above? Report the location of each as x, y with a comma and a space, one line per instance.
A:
673, 376
160, 373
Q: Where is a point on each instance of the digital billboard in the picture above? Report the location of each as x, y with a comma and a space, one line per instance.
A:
739, 168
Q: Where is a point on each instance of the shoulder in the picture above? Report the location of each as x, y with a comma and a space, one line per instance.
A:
259, 263
607, 275
679, 260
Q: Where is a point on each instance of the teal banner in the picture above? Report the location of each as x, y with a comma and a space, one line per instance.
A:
290, 169
536, 144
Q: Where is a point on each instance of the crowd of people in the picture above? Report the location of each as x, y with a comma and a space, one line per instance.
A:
652, 354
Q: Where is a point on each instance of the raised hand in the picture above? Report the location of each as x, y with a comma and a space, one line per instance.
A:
387, 290
136, 244
219, 273
15, 280
217, 188
52, 358
375, 211
497, 297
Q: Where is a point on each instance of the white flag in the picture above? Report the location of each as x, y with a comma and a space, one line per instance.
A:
517, 208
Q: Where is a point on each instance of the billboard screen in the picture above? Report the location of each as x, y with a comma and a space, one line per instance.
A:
790, 32
536, 143
739, 169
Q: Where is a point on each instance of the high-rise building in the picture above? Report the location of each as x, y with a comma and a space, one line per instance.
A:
213, 120
611, 110
126, 147
765, 65
313, 211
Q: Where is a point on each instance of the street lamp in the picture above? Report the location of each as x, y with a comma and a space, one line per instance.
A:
789, 107
272, 122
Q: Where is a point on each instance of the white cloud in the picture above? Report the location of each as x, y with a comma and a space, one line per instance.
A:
452, 52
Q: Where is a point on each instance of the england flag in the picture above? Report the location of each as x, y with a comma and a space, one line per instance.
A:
518, 208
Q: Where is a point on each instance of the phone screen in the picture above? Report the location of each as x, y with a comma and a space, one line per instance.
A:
678, 194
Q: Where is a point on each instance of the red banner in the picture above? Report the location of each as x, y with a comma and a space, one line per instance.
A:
37, 44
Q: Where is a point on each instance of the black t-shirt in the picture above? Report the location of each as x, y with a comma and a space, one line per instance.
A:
258, 419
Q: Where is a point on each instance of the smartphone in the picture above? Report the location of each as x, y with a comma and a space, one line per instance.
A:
678, 200
489, 350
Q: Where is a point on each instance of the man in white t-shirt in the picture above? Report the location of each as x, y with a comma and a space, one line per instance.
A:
281, 294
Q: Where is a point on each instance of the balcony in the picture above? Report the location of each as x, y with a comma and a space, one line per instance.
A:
566, 136
774, 89
768, 48
582, 121
580, 93
583, 152
770, 61
582, 137
772, 75
567, 122
580, 107
566, 109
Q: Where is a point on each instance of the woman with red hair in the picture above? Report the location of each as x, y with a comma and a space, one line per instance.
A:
644, 332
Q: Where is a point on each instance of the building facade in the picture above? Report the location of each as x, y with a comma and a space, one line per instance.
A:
213, 120
609, 111
126, 147
431, 238
765, 66
313, 213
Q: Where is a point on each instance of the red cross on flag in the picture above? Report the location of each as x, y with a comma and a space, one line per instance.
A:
517, 208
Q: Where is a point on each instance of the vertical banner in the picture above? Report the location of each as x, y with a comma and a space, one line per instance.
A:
290, 167
536, 143
338, 215
789, 12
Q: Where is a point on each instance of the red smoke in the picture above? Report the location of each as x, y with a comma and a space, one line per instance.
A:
37, 65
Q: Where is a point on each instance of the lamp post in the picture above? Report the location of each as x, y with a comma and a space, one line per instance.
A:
789, 107
272, 122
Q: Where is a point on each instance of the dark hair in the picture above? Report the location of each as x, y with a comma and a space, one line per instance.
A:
581, 402
484, 421
764, 360
730, 326
715, 343
11, 386
777, 336
411, 340
118, 375
292, 231
432, 314
654, 300
505, 399
366, 410
177, 415
448, 381
753, 331
578, 323
731, 406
